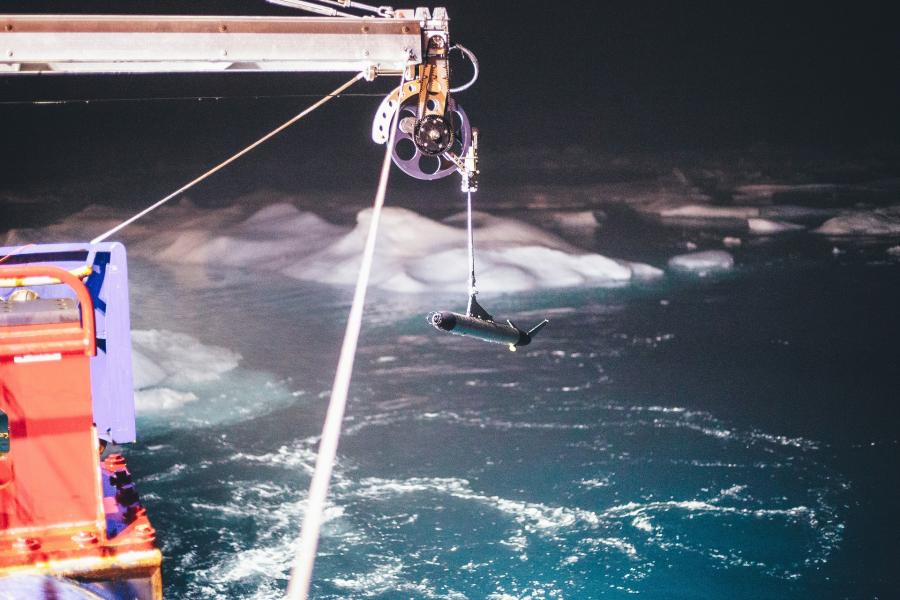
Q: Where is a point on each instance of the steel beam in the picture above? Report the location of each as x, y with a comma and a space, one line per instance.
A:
167, 44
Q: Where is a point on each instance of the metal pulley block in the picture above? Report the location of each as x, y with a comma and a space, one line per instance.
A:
432, 135
433, 132
426, 148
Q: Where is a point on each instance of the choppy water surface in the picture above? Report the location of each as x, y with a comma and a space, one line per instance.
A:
691, 437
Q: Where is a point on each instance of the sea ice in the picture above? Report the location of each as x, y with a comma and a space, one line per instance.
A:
767, 191
170, 357
580, 221
879, 221
702, 262
701, 211
769, 227
414, 253
162, 398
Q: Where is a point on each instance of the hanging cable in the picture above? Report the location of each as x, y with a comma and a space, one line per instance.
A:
474, 60
230, 160
473, 291
315, 7
16, 251
311, 7
66, 101
301, 571
382, 11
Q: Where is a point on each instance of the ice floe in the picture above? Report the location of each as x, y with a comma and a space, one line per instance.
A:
703, 211
176, 358
879, 221
180, 381
584, 221
770, 227
767, 191
161, 399
414, 253
702, 262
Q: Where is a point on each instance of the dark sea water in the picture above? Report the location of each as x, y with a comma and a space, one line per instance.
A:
728, 436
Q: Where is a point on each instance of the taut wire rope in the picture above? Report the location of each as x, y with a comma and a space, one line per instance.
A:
471, 235
229, 160
301, 571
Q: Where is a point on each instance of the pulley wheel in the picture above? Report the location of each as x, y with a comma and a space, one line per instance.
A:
433, 135
430, 164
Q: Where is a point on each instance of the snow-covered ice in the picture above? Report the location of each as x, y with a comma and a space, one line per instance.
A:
169, 357
703, 211
879, 221
702, 262
770, 227
414, 253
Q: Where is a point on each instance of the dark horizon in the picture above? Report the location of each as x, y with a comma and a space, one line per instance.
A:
620, 78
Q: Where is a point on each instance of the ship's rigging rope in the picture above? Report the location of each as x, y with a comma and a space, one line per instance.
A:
230, 97
229, 160
316, 8
301, 572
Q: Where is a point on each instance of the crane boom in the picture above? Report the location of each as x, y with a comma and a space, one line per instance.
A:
169, 44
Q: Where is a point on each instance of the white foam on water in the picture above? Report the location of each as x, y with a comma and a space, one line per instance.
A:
300, 454
638, 509
482, 422
595, 483
643, 523
385, 577
266, 565
611, 542
708, 425
171, 473
533, 517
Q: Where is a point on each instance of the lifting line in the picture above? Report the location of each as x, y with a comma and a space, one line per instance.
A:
230, 160
301, 571
473, 291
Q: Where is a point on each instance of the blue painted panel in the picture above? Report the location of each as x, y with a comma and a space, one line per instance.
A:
111, 370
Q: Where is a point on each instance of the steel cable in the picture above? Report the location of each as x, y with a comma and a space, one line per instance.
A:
230, 160
301, 571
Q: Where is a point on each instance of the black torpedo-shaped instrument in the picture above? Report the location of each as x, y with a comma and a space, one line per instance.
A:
478, 323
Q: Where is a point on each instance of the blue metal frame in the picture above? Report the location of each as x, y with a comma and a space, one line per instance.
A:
111, 370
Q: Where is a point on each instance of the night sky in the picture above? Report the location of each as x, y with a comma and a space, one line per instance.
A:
697, 80
611, 77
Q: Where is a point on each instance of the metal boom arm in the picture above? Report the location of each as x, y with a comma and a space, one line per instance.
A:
167, 44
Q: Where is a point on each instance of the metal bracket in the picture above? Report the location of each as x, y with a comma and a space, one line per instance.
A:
468, 166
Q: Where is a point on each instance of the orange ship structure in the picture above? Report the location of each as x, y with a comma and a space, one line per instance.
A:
70, 517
